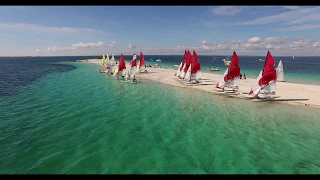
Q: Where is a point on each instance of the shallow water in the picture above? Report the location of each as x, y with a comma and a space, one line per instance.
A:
82, 121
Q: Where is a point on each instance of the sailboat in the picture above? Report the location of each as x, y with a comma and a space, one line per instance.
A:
280, 73
265, 84
186, 65
181, 65
158, 60
226, 61
107, 59
102, 60
120, 71
230, 78
141, 65
193, 75
133, 70
214, 69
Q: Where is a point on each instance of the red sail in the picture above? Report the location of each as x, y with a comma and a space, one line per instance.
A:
122, 64
134, 61
269, 71
184, 59
195, 63
141, 59
188, 61
234, 69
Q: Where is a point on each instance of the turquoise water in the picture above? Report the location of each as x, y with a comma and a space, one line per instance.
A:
82, 121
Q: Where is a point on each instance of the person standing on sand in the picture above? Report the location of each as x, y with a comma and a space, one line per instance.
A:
244, 76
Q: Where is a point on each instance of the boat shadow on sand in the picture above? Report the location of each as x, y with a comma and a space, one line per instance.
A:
263, 100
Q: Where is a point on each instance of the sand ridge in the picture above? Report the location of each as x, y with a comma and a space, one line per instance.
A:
285, 90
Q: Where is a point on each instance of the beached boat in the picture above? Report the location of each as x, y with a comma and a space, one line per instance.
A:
141, 67
181, 65
280, 73
195, 70
230, 78
265, 84
185, 68
120, 71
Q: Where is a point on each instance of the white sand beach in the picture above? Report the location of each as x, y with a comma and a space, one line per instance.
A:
293, 93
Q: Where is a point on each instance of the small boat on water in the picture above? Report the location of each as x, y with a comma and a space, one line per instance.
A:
158, 60
261, 60
214, 69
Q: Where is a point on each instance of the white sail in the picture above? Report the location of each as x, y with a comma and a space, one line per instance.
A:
125, 74
198, 75
133, 72
280, 73
221, 83
188, 74
182, 74
178, 71
112, 60
256, 88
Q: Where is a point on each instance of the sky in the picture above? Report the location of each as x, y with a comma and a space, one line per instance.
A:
159, 30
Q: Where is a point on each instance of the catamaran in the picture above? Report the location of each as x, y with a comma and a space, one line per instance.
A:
120, 71
194, 71
186, 65
280, 73
133, 68
265, 84
230, 78
181, 65
141, 67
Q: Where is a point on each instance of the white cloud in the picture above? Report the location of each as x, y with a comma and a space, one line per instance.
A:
288, 16
48, 29
112, 44
37, 50
132, 46
252, 46
227, 10
81, 46
300, 27
291, 7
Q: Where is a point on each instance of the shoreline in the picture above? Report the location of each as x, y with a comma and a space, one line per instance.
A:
290, 93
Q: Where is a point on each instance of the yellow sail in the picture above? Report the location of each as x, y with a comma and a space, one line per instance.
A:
116, 71
107, 59
138, 66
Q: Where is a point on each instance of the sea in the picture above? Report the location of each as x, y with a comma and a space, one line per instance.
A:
61, 117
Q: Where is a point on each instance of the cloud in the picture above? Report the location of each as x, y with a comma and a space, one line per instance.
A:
291, 7
285, 17
50, 29
131, 46
112, 44
81, 46
227, 10
37, 50
300, 27
253, 46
